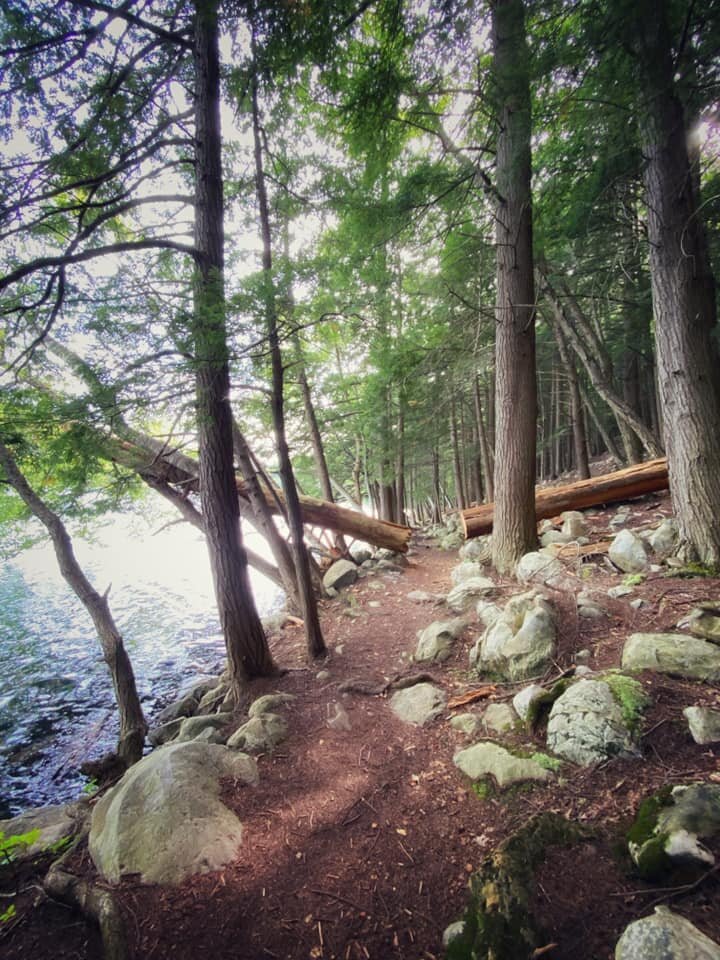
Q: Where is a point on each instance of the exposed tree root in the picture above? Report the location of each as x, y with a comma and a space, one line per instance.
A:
398, 682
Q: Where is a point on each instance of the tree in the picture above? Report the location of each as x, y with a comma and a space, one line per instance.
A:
132, 721
683, 289
514, 531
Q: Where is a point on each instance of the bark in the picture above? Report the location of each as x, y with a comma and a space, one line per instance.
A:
516, 393
577, 417
683, 292
610, 445
308, 605
132, 721
247, 650
460, 500
550, 501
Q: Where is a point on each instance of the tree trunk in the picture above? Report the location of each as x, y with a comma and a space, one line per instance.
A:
460, 500
313, 633
247, 650
683, 291
132, 722
516, 393
577, 416
624, 484
485, 453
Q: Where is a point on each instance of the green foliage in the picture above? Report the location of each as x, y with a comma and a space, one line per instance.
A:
8, 914
11, 846
634, 579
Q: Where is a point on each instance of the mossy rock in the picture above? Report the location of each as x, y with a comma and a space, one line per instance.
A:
498, 923
653, 861
630, 696
540, 706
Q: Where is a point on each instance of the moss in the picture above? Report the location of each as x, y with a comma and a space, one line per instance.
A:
482, 789
690, 570
540, 706
629, 695
633, 579
546, 762
647, 846
498, 923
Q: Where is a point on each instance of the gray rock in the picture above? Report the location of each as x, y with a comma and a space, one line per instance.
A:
452, 932
389, 566
664, 540
488, 612
582, 670
184, 707
435, 642
673, 653
260, 734
192, 726
340, 721
165, 732
322, 675
621, 516
164, 820
704, 724
705, 621
462, 595
467, 723
499, 717
665, 936
418, 704
550, 537
588, 608
691, 813
360, 554
208, 735
523, 700
55, 823
421, 596
211, 700
269, 703
465, 571
622, 590
489, 759
341, 574
538, 567
198, 687
639, 603
586, 725
628, 553
574, 524
478, 549
393, 556
522, 641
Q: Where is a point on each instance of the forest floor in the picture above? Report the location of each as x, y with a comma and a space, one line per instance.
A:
358, 844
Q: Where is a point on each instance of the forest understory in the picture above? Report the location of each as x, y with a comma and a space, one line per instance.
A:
360, 843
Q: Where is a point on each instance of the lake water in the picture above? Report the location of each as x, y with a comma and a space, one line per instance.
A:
56, 700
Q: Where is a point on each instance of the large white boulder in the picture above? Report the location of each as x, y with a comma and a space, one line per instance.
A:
165, 820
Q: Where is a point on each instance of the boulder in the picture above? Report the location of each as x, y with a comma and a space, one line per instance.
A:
588, 608
418, 704
55, 824
165, 732
587, 726
164, 820
550, 537
213, 698
574, 524
669, 827
191, 727
665, 936
198, 687
673, 653
462, 595
465, 571
467, 723
539, 567
360, 553
628, 553
499, 717
488, 612
184, 707
488, 759
478, 549
341, 574
260, 734
524, 699
621, 590
269, 703
435, 642
704, 724
521, 643
664, 540
705, 621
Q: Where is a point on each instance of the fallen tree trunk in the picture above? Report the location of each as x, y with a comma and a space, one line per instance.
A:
550, 501
180, 470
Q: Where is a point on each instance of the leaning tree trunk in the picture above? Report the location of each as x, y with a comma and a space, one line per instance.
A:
247, 650
132, 722
577, 415
683, 292
308, 603
516, 391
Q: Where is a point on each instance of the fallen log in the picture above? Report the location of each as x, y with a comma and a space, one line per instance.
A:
178, 469
624, 484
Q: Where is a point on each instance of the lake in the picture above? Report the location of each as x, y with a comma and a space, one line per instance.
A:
56, 700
